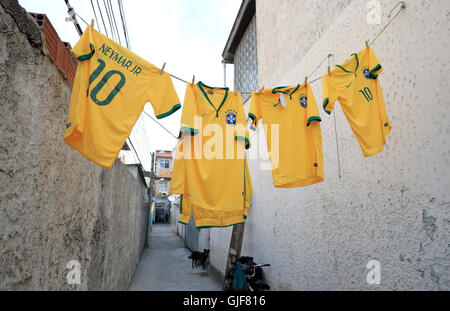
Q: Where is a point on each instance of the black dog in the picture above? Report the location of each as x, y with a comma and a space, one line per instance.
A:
199, 258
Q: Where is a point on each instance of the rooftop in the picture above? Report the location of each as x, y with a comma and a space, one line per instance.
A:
244, 17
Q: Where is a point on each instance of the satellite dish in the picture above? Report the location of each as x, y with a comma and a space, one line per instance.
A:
172, 198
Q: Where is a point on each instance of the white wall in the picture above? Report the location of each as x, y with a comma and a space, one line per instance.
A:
393, 207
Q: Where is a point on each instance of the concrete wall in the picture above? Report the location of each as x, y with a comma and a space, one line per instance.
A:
56, 206
393, 207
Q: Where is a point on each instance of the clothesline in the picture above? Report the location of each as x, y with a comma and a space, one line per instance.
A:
402, 6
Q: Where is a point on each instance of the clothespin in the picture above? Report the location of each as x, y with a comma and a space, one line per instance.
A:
193, 79
92, 23
306, 81
367, 44
329, 55
162, 69
261, 89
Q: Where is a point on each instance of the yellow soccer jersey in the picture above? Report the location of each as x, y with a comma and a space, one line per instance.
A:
112, 86
355, 84
293, 134
210, 168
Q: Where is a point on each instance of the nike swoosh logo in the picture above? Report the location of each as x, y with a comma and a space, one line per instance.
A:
276, 104
349, 84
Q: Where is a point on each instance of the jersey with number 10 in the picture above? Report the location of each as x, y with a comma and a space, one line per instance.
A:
355, 84
112, 86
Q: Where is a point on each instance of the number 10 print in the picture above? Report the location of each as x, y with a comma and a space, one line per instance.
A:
367, 94
102, 83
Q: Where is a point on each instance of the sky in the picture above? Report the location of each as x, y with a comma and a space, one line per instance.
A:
189, 35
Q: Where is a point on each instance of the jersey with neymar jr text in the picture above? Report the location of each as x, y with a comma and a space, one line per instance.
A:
355, 84
112, 86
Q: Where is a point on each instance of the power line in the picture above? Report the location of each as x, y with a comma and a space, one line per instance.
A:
95, 14
161, 125
131, 144
103, 21
109, 20
124, 25
114, 21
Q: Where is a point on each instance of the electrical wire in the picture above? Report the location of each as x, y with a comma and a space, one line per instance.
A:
103, 21
131, 144
109, 20
124, 24
95, 14
114, 21
161, 125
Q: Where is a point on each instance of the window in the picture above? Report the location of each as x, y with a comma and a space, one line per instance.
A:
164, 164
162, 187
246, 62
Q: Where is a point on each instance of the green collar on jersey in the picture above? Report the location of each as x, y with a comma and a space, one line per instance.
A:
357, 65
201, 85
279, 90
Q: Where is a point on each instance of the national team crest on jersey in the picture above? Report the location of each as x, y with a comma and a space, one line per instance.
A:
366, 72
230, 117
303, 101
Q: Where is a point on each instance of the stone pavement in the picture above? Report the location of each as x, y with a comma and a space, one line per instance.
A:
165, 266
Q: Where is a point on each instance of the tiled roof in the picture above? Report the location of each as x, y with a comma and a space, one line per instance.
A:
163, 154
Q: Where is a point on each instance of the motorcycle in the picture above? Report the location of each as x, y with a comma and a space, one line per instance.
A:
247, 275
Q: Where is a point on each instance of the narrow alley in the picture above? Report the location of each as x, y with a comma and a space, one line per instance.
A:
286, 146
165, 266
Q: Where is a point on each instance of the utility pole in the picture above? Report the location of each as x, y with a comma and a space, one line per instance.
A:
73, 17
233, 253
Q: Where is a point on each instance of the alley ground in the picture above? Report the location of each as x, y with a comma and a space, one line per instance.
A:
166, 266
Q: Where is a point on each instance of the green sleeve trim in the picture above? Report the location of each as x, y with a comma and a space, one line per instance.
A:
377, 67
181, 204
247, 141
182, 222
87, 56
174, 108
372, 75
313, 119
204, 227
325, 104
254, 118
187, 131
